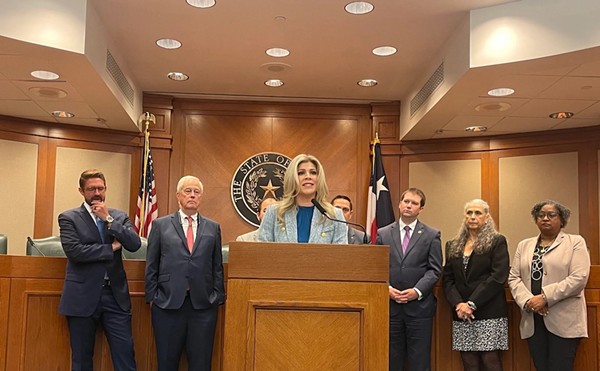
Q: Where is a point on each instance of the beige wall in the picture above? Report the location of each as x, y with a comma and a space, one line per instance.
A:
448, 185
70, 162
526, 180
18, 166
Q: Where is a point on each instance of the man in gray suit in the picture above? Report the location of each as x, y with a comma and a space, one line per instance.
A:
415, 266
184, 281
343, 202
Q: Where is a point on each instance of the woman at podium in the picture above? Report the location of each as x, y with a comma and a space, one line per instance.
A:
297, 216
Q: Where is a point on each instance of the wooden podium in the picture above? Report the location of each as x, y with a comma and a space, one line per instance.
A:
306, 307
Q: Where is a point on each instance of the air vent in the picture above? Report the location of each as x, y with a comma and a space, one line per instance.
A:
434, 81
115, 72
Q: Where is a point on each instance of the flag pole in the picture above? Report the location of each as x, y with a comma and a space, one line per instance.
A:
146, 119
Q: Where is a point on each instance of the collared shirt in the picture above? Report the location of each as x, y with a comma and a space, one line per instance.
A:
184, 222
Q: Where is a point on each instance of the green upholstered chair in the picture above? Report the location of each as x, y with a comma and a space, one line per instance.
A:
47, 246
140, 253
3, 244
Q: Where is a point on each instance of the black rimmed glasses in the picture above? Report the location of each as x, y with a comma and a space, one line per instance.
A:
544, 215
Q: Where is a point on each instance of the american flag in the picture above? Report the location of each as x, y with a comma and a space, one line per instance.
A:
147, 209
379, 208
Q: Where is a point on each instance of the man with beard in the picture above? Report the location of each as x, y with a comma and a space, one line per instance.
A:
184, 281
95, 289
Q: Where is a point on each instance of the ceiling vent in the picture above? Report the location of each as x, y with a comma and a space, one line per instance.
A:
115, 72
434, 81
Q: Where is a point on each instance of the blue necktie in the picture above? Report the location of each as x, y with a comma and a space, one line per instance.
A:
100, 225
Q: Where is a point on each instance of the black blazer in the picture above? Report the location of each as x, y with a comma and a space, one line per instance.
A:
420, 267
482, 282
171, 269
89, 259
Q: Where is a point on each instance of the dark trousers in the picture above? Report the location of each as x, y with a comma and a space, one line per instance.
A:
551, 352
410, 342
117, 328
186, 326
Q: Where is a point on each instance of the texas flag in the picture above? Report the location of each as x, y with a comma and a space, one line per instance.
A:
379, 208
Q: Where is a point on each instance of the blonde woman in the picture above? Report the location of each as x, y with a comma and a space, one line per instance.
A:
295, 218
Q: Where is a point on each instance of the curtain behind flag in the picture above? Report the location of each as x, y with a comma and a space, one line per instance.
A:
379, 208
147, 209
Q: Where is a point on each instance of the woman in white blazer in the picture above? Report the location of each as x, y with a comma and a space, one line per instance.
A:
547, 280
295, 218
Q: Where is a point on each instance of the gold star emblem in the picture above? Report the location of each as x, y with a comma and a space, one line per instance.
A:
269, 188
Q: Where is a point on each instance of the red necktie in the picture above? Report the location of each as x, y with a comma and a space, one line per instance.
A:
406, 239
190, 233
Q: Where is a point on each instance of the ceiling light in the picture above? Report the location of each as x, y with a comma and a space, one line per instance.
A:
476, 129
201, 3
367, 83
501, 92
274, 83
168, 43
177, 76
359, 7
561, 115
278, 52
45, 75
63, 114
384, 51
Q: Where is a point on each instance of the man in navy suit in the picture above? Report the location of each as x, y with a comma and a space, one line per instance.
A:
415, 266
343, 202
95, 290
184, 281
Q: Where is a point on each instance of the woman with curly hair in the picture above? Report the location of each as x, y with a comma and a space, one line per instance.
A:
294, 218
547, 279
476, 269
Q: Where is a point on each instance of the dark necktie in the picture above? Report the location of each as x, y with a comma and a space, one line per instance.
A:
100, 226
406, 238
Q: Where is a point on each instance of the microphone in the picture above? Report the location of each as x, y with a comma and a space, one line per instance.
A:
30, 241
322, 210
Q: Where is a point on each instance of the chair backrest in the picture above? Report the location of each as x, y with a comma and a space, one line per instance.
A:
3, 244
140, 253
47, 246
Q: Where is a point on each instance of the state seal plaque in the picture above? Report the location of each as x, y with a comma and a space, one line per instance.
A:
258, 177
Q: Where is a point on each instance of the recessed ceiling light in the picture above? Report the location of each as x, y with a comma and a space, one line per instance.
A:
359, 7
45, 75
476, 129
278, 52
367, 82
501, 92
168, 43
274, 83
201, 3
177, 76
384, 51
561, 115
63, 114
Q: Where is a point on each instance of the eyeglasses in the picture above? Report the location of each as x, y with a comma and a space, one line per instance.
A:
189, 191
93, 189
543, 215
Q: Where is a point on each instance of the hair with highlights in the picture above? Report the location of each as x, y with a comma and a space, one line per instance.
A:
485, 236
89, 174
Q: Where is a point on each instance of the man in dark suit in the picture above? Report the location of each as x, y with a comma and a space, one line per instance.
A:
95, 289
184, 281
355, 237
415, 266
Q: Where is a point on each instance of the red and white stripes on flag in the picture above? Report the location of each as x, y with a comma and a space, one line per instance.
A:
147, 209
379, 207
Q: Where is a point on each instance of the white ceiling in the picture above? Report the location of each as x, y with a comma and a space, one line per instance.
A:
224, 47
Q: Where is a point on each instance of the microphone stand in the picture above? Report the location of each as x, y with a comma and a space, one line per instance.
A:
322, 210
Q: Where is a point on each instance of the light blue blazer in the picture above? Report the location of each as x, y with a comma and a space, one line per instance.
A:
322, 230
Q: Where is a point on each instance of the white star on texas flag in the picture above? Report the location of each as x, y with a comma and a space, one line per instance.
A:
380, 186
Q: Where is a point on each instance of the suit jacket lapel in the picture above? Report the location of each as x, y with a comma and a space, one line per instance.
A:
557, 241
291, 227
179, 228
397, 244
89, 221
201, 224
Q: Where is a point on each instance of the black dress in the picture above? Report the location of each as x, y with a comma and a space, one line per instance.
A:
479, 278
